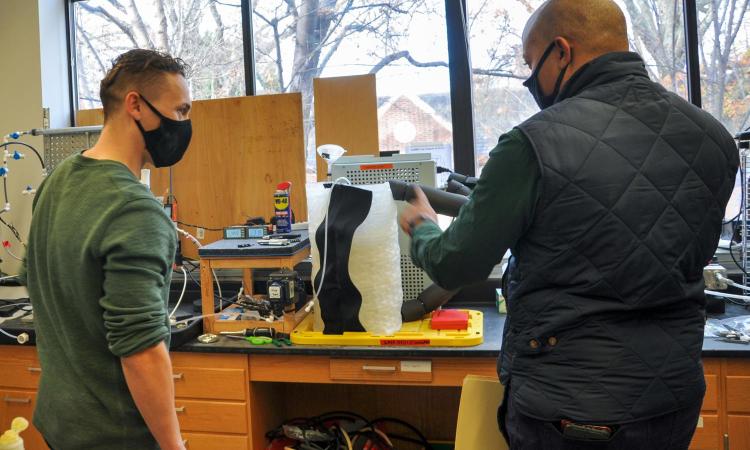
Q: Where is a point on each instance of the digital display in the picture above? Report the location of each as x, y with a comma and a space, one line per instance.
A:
255, 232
233, 233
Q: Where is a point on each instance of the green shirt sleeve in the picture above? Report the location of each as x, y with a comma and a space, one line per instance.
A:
137, 252
499, 211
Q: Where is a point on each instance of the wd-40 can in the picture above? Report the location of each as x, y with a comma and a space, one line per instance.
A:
283, 208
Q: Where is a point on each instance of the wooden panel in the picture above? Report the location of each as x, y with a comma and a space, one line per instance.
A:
89, 117
225, 384
316, 369
211, 360
201, 441
19, 367
739, 432
266, 411
707, 436
18, 352
212, 416
711, 400
738, 393
21, 404
379, 370
242, 147
737, 366
346, 114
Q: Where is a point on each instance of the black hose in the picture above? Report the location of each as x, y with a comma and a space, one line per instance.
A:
41, 160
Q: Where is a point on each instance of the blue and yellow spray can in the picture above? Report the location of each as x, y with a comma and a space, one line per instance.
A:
282, 207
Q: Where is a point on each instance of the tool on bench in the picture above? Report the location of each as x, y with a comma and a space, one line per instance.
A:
257, 332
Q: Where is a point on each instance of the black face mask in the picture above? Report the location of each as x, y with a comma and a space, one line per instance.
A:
532, 83
168, 143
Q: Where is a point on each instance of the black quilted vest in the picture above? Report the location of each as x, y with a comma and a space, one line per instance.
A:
605, 290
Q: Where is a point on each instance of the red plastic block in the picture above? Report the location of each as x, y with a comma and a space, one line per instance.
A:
449, 319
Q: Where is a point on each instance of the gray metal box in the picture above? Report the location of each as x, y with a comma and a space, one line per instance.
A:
411, 168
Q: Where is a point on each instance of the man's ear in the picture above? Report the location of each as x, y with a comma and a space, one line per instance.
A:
564, 51
133, 105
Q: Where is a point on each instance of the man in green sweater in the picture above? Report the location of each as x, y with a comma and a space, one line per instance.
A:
98, 269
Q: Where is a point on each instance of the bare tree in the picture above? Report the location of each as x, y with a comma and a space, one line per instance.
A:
658, 34
193, 30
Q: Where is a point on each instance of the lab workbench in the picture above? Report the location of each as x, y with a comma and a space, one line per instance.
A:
230, 393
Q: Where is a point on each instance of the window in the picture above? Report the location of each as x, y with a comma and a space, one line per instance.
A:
494, 29
402, 41
207, 34
724, 36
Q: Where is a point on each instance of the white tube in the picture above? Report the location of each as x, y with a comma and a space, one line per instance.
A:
723, 294
732, 283
184, 286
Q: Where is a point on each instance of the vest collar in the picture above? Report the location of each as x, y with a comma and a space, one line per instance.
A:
604, 69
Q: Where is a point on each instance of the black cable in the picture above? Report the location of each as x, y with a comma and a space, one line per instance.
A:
11, 228
405, 424
199, 226
41, 161
731, 253
5, 188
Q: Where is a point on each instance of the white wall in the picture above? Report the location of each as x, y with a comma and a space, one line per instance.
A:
54, 62
27, 54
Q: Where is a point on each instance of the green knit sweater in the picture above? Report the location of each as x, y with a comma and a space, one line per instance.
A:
98, 268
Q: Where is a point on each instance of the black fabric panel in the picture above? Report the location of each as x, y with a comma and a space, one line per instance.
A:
340, 300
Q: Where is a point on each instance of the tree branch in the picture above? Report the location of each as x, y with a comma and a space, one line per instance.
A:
124, 27
219, 23
140, 25
163, 31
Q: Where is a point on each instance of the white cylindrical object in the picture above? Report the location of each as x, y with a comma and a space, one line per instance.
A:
146, 177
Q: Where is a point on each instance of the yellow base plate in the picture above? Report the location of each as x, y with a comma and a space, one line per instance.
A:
412, 334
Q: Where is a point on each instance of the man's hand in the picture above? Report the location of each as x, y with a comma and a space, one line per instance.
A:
416, 212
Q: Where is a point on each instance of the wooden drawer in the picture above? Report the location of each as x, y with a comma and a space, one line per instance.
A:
222, 384
381, 370
707, 436
21, 404
212, 416
323, 369
200, 441
19, 373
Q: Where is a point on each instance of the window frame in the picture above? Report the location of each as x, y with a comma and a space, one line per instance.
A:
459, 67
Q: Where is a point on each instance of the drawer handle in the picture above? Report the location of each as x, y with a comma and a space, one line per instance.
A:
177, 376
179, 409
379, 368
184, 442
34, 369
17, 400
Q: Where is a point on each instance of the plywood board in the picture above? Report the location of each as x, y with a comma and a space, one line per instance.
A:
89, 117
346, 114
241, 149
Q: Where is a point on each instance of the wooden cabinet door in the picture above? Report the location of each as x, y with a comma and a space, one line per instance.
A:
739, 432
20, 404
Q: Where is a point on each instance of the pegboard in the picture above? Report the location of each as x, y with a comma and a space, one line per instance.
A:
59, 146
378, 176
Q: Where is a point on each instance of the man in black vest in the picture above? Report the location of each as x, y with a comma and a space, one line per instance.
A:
611, 200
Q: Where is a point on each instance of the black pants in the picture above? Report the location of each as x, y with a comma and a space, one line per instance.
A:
671, 431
